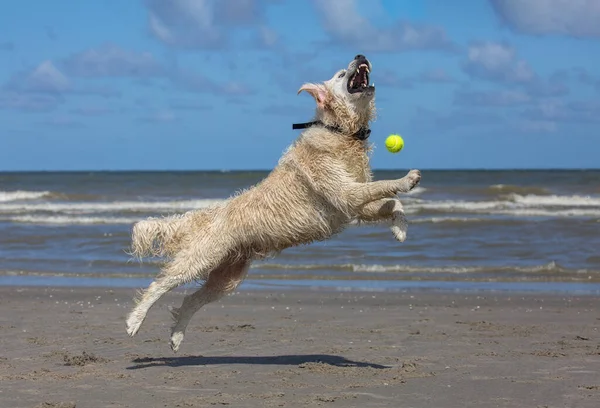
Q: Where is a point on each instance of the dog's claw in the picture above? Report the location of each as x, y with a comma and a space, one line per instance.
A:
131, 331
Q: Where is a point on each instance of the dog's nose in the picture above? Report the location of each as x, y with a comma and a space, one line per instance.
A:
359, 57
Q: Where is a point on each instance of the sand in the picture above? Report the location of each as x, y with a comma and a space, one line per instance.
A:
63, 347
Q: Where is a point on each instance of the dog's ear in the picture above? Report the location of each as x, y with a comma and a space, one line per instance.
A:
318, 91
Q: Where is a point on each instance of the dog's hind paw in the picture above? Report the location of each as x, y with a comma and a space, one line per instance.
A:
399, 225
399, 234
175, 342
133, 324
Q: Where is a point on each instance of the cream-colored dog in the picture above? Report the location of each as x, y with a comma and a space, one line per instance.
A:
321, 184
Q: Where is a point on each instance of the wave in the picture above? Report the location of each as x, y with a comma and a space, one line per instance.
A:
21, 195
453, 205
525, 212
416, 191
496, 209
555, 200
496, 189
515, 205
87, 220
19, 206
66, 220
551, 267
89, 207
437, 220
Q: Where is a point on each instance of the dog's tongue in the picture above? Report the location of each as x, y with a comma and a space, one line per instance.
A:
361, 77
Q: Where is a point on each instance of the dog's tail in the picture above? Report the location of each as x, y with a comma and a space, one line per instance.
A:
159, 236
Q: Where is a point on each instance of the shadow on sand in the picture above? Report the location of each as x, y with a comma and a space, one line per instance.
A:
337, 361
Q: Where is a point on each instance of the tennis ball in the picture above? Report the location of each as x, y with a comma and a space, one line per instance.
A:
394, 143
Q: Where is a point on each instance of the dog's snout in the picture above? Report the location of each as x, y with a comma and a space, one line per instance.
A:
360, 60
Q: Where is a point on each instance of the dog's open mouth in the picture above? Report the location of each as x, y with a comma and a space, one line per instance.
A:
359, 82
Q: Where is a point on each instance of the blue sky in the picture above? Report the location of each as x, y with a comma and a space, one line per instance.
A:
211, 84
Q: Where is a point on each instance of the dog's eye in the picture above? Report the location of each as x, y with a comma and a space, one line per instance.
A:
341, 75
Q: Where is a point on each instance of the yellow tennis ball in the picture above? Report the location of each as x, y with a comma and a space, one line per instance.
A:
394, 143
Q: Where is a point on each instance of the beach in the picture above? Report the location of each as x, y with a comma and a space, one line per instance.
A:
67, 347
492, 301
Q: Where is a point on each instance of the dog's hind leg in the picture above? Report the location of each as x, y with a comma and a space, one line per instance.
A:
386, 209
193, 263
221, 281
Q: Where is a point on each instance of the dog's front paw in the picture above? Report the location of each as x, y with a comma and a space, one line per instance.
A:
413, 177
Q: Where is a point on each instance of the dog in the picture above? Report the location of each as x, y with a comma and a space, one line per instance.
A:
321, 184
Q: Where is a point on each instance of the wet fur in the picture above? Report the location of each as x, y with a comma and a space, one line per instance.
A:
321, 184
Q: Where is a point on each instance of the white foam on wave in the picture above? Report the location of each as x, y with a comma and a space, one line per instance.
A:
510, 188
457, 269
15, 203
551, 267
436, 220
516, 205
416, 191
22, 195
66, 220
540, 212
452, 205
90, 207
555, 200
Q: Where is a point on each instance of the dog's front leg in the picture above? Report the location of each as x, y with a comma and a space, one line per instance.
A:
359, 194
386, 209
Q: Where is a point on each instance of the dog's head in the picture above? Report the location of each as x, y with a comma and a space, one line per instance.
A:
347, 100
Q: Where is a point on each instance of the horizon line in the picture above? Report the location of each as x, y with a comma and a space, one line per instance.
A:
268, 170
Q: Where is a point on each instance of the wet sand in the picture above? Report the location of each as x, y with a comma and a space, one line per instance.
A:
64, 347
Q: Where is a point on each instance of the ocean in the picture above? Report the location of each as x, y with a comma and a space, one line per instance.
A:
469, 230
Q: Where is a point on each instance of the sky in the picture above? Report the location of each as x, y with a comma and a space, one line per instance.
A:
212, 84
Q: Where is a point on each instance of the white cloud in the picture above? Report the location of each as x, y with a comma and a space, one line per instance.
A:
28, 102
538, 126
560, 111
497, 62
343, 22
110, 60
575, 18
491, 98
204, 24
44, 78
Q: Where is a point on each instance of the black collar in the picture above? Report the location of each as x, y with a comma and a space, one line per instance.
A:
362, 134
